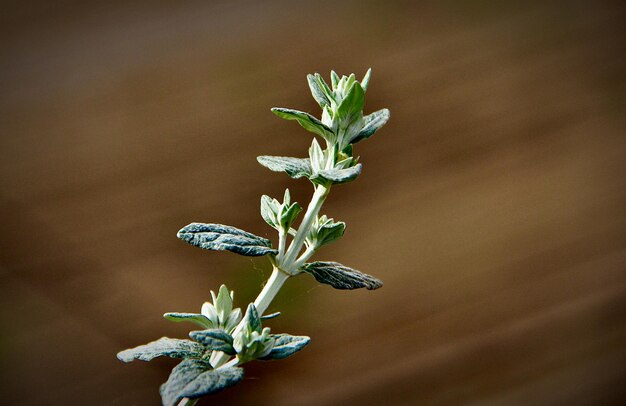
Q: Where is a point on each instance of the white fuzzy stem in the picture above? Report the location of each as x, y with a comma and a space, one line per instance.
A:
317, 201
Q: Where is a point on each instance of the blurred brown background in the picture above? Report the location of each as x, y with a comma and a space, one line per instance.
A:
492, 204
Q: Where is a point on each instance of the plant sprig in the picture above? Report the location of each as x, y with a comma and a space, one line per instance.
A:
212, 357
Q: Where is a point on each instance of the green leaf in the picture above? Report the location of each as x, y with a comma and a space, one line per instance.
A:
317, 92
218, 237
169, 347
339, 175
252, 318
182, 375
316, 156
270, 316
324, 86
223, 302
334, 79
366, 79
289, 215
372, 123
307, 121
214, 339
341, 277
353, 102
211, 381
330, 232
294, 167
286, 345
198, 319
269, 211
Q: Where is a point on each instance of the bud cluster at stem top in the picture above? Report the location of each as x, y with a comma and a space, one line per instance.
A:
342, 124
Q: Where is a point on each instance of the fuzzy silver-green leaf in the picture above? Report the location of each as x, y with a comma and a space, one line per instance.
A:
191, 317
353, 102
214, 339
181, 376
340, 276
372, 123
307, 121
286, 345
211, 381
294, 167
339, 175
218, 237
317, 91
164, 346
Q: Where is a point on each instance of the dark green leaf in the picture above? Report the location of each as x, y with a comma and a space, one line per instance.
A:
339, 175
341, 277
214, 339
307, 121
211, 381
169, 347
294, 167
372, 123
192, 317
181, 376
218, 237
286, 345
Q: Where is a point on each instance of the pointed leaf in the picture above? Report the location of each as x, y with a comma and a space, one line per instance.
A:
334, 79
339, 175
211, 381
316, 91
294, 167
372, 123
366, 79
270, 316
307, 121
191, 317
214, 339
290, 215
330, 232
218, 237
286, 345
252, 318
269, 211
182, 375
341, 277
169, 347
223, 303
353, 102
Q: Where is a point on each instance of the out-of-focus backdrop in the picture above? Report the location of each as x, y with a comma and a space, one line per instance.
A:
492, 204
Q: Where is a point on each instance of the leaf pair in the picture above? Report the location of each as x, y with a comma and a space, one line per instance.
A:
301, 167
277, 215
256, 342
324, 231
217, 315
